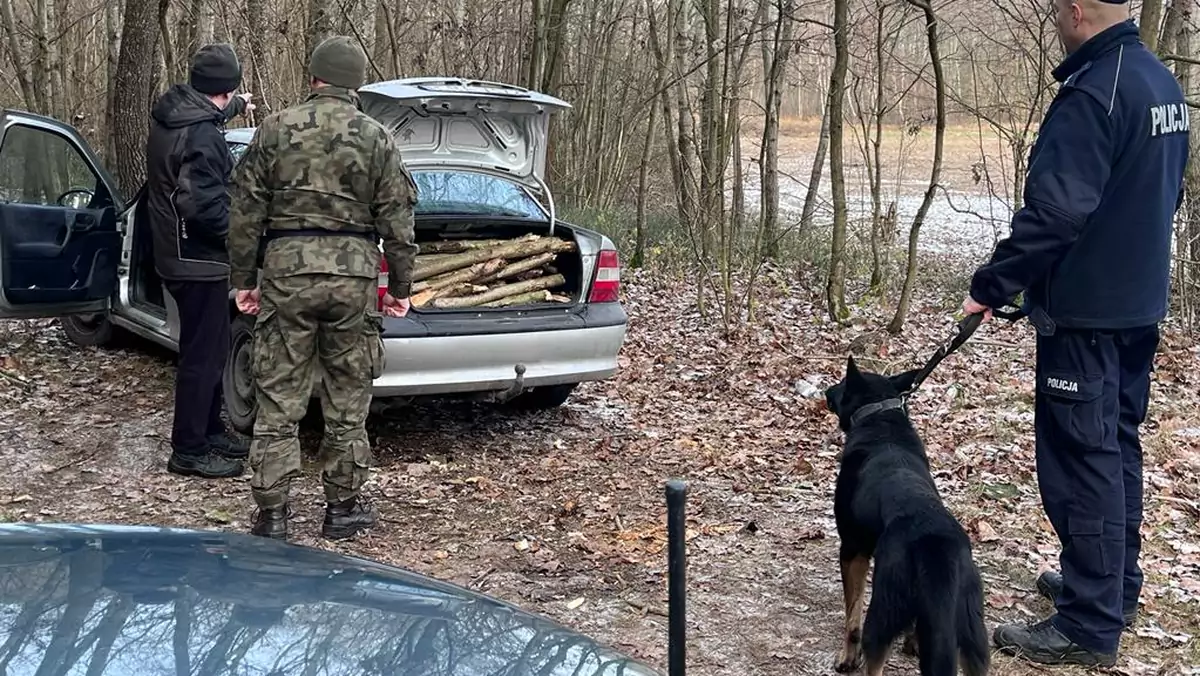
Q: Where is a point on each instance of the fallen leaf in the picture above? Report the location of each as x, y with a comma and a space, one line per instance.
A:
218, 516
575, 603
985, 531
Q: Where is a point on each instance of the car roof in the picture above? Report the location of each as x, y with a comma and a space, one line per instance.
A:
240, 135
302, 603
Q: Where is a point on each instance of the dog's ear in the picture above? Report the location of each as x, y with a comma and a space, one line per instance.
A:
903, 382
852, 368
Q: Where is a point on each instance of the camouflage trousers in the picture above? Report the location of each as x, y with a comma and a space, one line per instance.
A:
306, 322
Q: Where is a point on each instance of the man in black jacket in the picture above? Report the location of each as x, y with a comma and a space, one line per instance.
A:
187, 174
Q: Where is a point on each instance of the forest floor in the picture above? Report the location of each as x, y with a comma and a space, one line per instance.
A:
562, 512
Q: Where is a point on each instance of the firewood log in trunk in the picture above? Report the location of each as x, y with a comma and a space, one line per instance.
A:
451, 246
514, 269
469, 274
500, 292
521, 299
513, 249
559, 299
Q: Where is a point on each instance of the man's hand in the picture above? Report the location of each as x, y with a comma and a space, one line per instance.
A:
248, 301
394, 307
971, 306
249, 106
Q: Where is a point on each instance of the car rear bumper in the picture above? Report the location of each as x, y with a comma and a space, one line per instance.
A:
482, 363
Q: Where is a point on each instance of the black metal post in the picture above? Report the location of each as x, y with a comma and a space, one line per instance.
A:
676, 577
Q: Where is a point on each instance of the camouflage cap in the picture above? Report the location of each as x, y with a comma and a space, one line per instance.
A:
340, 61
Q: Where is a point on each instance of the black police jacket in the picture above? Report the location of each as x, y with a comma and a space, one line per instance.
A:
1091, 247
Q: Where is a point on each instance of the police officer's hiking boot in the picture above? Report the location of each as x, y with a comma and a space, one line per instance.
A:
1050, 585
1044, 644
208, 466
271, 522
228, 445
344, 519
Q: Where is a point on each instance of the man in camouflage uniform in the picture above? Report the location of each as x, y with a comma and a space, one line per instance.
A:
320, 183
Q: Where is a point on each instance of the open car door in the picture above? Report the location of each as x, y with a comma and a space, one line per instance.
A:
60, 237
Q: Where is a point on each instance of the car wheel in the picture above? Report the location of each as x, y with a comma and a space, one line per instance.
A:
88, 330
238, 379
542, 398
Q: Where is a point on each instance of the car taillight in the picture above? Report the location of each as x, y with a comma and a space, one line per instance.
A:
607, 285
383, 282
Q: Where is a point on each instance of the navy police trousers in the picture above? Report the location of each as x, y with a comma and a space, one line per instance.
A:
1093, 388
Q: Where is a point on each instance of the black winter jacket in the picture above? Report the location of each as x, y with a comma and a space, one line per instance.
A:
187, 179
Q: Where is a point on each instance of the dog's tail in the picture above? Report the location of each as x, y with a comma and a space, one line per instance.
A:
939, 625
974, 652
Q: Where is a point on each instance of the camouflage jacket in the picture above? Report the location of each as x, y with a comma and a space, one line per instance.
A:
322, 165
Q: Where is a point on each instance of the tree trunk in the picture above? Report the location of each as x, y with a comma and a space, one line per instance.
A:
835, 288
260, 55
775, 60
1149, 23
112, 28
878, 242
132, 97
939, 83
814, 177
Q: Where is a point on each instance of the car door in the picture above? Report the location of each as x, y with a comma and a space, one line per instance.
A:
60, 235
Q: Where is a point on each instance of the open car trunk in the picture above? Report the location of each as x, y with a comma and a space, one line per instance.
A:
480, 265
453, 134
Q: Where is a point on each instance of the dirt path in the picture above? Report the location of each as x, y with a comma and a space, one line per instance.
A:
545, 509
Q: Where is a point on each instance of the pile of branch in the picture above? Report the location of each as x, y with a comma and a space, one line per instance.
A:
488, 272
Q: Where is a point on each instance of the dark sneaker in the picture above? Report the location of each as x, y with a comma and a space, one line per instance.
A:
1044, 644
208, 466
229, 446
345, 519
1050, 585
271, 522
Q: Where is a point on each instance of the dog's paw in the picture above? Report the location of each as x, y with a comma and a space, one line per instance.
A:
910, 645
849, 663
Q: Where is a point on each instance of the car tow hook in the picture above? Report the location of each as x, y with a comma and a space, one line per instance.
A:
515, 389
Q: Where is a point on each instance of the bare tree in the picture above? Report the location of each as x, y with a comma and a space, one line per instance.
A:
835, 289
931, 26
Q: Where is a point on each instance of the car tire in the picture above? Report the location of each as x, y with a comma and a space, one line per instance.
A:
89, 330
544, 398
237, 383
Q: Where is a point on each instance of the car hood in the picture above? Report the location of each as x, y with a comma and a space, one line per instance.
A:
140, 600
485, 126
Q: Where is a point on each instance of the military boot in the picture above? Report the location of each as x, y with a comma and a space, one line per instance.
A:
344, 519
271, 522
225, 444
1043, 643
1050, 585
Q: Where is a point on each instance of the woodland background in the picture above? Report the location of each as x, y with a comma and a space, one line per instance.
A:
674, 141
788, 182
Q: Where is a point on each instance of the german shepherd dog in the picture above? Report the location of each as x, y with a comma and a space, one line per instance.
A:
887, 507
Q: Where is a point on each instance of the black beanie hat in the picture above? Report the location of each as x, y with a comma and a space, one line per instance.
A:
340, 61
215, 70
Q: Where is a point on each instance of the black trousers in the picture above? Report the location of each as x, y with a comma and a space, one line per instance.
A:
204, 336
1093, 388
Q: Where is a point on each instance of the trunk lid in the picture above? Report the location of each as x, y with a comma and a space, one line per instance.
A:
483, 126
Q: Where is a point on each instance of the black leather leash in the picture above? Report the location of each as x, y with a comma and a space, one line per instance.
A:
966, 327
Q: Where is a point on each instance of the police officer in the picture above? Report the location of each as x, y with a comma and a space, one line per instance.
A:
320, 183
1090, 250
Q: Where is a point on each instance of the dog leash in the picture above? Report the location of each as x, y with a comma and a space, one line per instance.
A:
966, 327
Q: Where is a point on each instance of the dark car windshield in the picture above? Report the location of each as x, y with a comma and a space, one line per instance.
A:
448, 192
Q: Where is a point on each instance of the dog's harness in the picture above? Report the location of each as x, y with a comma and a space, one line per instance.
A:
966, 327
